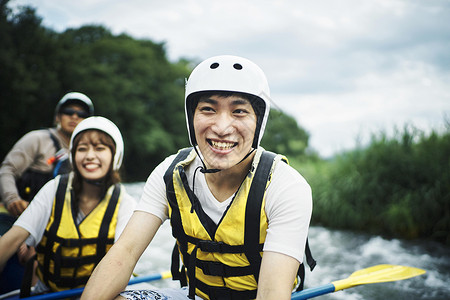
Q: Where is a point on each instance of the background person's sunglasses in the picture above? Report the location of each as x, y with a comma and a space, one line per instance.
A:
71, 111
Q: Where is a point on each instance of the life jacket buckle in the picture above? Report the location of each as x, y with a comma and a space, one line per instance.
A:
213, 268
219, 293
211, 246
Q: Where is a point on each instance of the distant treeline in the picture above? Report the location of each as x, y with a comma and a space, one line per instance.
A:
398, 186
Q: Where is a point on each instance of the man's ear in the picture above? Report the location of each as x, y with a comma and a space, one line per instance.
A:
57, 119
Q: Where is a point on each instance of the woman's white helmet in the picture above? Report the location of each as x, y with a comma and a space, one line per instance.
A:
227, 73
78, 98
105, 125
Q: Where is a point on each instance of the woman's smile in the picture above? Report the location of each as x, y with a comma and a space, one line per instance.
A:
91, 166
93, 161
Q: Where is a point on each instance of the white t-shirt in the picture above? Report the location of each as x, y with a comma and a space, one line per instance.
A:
288, 204
36, 217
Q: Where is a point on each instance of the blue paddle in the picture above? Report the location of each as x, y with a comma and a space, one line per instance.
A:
375, 274
78, 291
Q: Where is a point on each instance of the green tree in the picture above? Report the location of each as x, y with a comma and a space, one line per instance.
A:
130, 81
28, 76
283, 135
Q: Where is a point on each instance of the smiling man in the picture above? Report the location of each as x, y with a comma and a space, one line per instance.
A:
224, 127
39, 155
240, 214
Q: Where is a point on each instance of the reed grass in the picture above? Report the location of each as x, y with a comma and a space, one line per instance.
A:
397, 186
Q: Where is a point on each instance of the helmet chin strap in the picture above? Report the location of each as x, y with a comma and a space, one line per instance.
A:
245, 157
97, 182
205, 170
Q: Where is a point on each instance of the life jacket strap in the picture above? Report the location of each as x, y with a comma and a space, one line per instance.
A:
301, 269
253, 211
177, 272
218, 269
224, 293
25, 288
175, 220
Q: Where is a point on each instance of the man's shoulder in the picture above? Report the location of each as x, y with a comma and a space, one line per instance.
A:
39, 133
169, 161
165, 164
33, 138
284, 172
179, 156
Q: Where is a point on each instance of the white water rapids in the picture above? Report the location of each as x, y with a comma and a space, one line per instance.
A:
338, 254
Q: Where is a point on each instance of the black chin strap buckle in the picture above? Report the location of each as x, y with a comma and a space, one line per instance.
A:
204, 170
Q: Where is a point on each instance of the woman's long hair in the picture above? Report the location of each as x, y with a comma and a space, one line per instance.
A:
94, 137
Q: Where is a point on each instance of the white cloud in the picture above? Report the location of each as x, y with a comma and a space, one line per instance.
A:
415, 94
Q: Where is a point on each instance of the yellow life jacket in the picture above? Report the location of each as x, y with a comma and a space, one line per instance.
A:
68, 253
223, 260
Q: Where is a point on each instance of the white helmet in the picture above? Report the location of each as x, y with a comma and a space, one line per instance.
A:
78, 98
105, 125
227, 73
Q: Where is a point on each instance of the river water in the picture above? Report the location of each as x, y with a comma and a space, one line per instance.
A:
339, 254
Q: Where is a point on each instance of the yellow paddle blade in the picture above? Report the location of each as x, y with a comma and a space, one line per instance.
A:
166, 274
376, 274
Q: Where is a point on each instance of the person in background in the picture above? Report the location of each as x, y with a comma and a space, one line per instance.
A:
40, 155
76, 217
240, 214
36, 158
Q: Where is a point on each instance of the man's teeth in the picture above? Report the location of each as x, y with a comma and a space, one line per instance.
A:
222, 145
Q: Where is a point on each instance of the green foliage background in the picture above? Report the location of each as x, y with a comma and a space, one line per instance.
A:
398, 186
130, 81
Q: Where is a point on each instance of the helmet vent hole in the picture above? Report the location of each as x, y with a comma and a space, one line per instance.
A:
237, 66
214, 66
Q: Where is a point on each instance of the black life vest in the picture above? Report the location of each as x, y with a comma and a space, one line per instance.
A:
31, 181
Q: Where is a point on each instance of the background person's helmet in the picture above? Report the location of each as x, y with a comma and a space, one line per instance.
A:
105, 125
76, 98
227, 73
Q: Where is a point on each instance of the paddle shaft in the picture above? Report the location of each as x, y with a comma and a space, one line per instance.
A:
305, 294
78, 291
313, 292
375, 274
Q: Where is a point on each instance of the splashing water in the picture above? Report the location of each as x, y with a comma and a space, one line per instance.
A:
339, 254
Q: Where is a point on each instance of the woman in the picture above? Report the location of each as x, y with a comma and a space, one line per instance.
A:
75, 218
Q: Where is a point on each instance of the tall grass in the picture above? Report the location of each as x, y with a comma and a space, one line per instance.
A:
397, 186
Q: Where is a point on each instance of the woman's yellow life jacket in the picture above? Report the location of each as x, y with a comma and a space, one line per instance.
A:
68, 253
223, 260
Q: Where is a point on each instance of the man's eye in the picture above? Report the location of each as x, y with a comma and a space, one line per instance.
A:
206, 109
240, 111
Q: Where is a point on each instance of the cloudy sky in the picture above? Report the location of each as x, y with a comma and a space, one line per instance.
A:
344, 69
